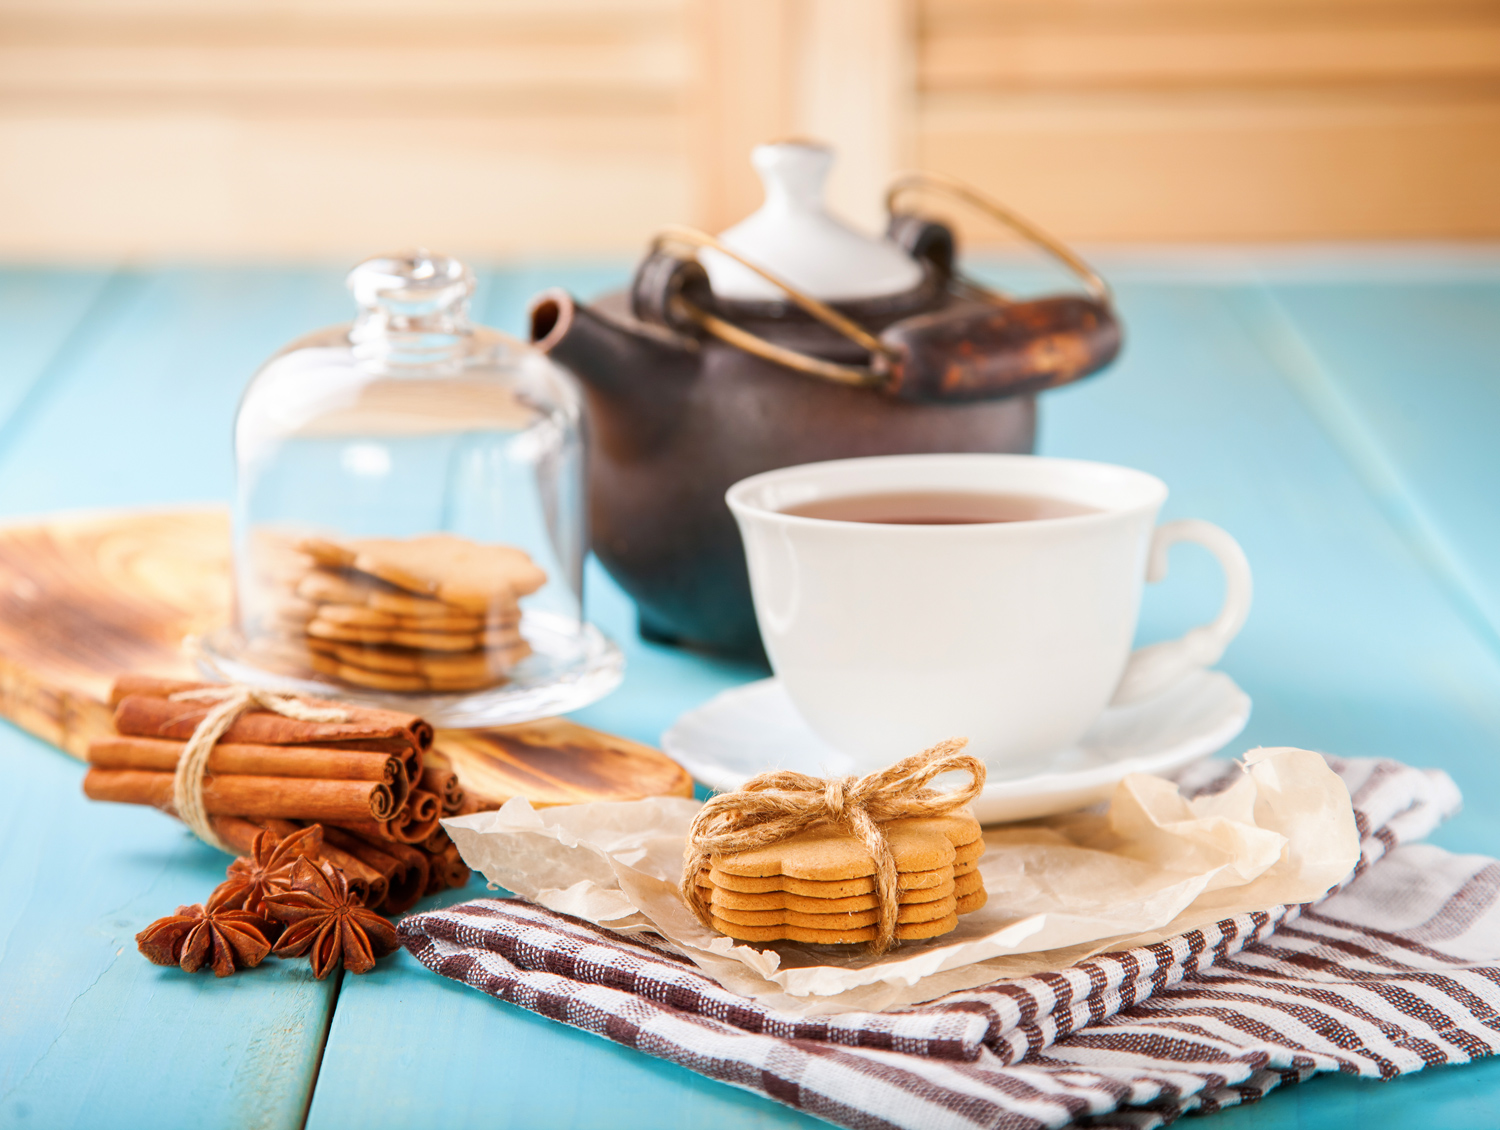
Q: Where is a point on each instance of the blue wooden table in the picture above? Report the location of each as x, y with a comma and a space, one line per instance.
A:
1339, 413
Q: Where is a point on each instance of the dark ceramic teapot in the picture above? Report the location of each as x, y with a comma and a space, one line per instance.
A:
793, 339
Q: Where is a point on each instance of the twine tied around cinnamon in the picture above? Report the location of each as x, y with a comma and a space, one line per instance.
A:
229, 703
777, 805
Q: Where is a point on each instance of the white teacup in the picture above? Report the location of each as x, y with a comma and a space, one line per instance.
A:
1015, 634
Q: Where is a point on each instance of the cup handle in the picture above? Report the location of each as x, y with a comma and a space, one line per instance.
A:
1152, 669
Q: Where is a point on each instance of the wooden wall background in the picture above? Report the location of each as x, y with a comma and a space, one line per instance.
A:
328, 128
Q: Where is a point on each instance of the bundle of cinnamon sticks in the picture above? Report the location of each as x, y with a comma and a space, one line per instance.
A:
372, 781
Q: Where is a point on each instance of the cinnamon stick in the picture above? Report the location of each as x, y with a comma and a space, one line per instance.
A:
453, 864
292, 798
443, 783
406, 874
150, 685
416, 820
423, 811
147, 715
418, 875
446, 869
254, 760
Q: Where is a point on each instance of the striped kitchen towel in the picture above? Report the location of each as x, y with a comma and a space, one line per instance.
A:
1399, 969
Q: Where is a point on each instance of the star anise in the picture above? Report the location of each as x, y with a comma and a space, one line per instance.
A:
327, 923
267, 869
221, 937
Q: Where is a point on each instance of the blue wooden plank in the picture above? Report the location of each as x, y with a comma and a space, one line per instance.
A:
151, 393
41, 314
1200, 402
1464, 1098
93, 1035
136, 407
409, 1049
502, 1066
1353, 646
144, 413
1407, 376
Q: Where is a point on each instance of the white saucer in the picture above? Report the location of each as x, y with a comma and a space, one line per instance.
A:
752, 728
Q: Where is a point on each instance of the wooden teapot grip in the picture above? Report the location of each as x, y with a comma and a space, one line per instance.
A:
983, 350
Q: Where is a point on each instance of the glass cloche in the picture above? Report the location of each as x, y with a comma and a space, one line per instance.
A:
409, 525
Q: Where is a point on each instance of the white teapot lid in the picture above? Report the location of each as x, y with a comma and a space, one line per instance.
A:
794, 236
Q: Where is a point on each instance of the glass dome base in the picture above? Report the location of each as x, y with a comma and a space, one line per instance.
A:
555, 680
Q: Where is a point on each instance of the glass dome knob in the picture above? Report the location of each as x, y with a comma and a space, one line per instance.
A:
412, 292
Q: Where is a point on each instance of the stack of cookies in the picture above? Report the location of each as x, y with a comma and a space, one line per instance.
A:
819, 886
435, 613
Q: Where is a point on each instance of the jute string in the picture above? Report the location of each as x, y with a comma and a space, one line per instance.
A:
775, 806
230, 702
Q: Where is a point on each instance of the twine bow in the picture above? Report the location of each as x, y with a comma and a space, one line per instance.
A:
777, 805
230, 702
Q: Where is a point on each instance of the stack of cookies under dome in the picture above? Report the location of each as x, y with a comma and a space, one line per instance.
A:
434, 613
819, 886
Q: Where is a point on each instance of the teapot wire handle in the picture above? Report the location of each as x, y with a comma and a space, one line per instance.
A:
857, 375
952, 186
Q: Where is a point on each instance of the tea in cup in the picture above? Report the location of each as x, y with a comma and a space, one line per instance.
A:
907, 599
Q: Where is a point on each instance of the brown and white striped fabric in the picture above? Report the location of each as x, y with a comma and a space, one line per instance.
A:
1398, 970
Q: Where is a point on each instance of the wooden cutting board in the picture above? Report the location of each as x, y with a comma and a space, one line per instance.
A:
86, 598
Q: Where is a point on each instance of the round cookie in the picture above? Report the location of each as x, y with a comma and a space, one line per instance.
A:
837, 888
911, 931
460, 667
352, 632
786, 900
326, 553
356, 616
972, 902
967, 853
360, 677
455, 623
433, 641
414, 607
828, 854
917, 912
326, 586
967, 884
959, 828
455, 570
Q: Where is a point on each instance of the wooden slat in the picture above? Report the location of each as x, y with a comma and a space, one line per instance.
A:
1219, 119
1227, 165
1007, 56
1353, 645
1405, 376
235, 130
397, 63
151, 393
335, 188
92, 1033
40, 313
743, 95
95, 1035
943, 15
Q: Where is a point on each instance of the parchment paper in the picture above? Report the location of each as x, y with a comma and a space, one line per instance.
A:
1153, 864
